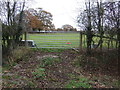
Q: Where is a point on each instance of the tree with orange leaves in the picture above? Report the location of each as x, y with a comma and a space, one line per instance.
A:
42, 19
32, 21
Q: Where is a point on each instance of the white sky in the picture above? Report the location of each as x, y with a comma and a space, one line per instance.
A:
63, 11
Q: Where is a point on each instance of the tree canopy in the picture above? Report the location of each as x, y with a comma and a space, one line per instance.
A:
68, 27
39, 19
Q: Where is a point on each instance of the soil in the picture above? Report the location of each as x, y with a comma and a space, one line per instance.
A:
57, 75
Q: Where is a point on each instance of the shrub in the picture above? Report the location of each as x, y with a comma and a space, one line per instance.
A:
86, 62
16, 55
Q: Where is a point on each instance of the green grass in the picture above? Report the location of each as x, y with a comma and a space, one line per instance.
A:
81, 83
39, 73
58, 40
48, 61
77, 81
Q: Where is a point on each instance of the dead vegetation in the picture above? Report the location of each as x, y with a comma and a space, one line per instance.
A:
62, 69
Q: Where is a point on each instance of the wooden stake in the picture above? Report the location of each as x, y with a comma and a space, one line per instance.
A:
80, 41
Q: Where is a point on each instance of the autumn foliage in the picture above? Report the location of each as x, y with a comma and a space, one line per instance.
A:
38, 19
33, 21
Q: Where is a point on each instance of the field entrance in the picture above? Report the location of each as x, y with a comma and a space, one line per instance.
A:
55, 39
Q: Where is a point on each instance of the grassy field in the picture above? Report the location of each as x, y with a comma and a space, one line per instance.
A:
63, 40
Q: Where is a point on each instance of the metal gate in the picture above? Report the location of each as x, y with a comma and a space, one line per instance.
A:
55, 39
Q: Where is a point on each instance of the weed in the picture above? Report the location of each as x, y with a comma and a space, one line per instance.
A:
5, 67
13, 64
48, 61
71, 75
30, 84
39, 73
14, 82
81, 83
76, 62
16, 76
42, 65
115, 83
6, 77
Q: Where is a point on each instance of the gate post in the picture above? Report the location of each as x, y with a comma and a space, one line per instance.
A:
25, 33
26, 43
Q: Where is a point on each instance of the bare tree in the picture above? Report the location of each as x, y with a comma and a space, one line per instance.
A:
99, 20
12, 30
102, 17
85, 18
112, 19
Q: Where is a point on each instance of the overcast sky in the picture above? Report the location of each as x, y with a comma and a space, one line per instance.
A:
63, 11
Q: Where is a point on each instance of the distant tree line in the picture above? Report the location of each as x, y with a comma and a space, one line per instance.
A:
66, 27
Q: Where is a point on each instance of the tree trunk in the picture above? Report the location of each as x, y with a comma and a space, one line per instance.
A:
89, 34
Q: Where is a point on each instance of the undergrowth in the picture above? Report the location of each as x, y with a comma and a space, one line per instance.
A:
39, 73
17, 55
47, 49
48, 61
80, 83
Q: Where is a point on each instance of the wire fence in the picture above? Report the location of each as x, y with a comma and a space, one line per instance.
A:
68, 39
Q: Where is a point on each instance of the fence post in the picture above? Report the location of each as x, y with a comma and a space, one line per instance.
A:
26, 43
80, 40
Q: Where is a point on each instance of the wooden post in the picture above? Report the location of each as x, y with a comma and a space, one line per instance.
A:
26, 43
80, 40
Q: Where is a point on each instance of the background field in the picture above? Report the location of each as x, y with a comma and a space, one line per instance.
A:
64, 40
56, 40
